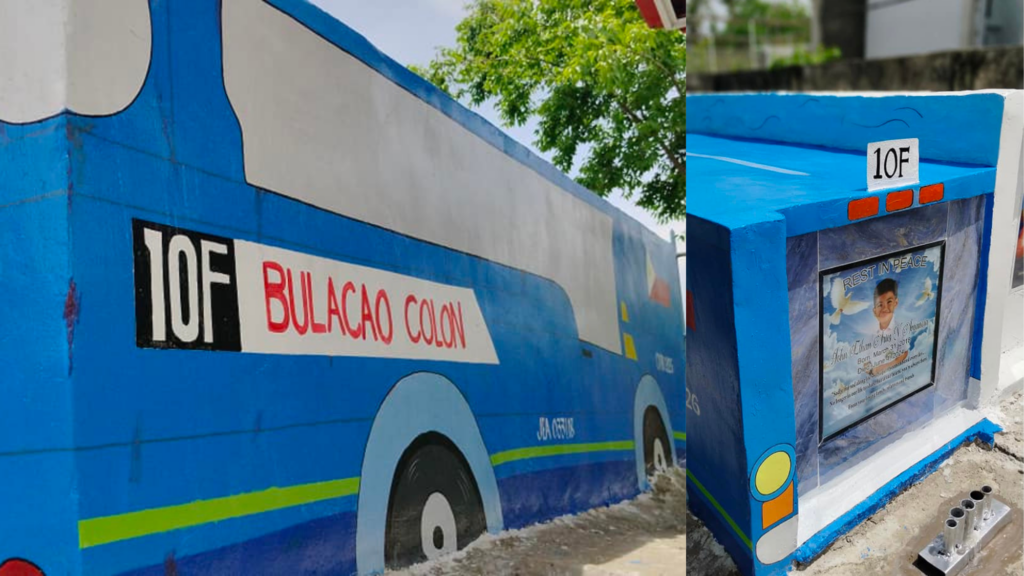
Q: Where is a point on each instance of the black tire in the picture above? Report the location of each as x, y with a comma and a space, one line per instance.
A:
432, 471
654, 433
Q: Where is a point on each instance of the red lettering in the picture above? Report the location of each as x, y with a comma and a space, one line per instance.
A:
446, 321
410, 299
357, 331
332, 308
367, 315
459, 326
318, 327
300, 328
382, 296
275, 291
433, 326
425, 305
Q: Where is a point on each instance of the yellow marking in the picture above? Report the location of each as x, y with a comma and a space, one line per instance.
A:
630, 347
625, 315
772, 473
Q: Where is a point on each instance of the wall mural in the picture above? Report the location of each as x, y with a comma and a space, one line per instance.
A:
837, 322
332, 350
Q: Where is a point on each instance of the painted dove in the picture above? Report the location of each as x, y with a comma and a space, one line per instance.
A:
843, 303
927, 294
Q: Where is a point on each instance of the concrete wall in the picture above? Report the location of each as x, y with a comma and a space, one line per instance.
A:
283, 307
958, 70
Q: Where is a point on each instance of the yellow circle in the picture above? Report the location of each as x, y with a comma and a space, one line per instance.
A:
772, 473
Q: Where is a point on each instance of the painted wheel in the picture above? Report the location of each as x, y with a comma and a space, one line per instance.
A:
434, 507
657, 450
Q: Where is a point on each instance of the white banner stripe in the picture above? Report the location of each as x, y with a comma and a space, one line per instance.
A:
294, 303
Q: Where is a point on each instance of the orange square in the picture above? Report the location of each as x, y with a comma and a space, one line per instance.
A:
862, 208
932, 193
899, 200
777, 508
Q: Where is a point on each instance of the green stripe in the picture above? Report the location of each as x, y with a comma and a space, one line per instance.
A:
557, 450
107, 529
721, 510
680, 436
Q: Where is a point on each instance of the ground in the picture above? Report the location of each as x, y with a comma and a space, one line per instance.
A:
647, 536
887, 543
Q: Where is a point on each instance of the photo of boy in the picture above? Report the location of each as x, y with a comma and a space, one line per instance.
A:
885, 302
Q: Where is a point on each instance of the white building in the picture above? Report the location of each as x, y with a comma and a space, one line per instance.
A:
908, 27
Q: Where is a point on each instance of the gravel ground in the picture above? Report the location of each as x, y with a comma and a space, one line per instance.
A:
647, 536
642, 537
887, 543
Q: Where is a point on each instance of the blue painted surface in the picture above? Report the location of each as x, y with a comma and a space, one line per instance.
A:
326, 545
770, 181
601, 483
100, 427
38, 481
951, 128
699, 506
984, 431
811, 202
758, 256
715, 439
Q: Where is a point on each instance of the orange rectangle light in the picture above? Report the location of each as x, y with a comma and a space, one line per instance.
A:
777, 508
862, 208
932, 193
899, 200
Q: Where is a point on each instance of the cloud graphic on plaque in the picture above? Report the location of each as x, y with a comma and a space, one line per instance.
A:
843, 302
923, 338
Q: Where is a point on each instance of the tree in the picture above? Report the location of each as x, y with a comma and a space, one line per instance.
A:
607, 90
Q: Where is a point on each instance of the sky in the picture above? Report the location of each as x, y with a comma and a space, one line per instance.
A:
410, 31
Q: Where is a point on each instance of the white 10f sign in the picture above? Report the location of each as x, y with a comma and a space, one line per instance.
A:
184, 289
892, 163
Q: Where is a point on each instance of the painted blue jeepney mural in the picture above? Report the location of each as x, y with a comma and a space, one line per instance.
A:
837, 328
279, 306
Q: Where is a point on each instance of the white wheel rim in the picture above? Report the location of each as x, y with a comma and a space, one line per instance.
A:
438, 514
660, 464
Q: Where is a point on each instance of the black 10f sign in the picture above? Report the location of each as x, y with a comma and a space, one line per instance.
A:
892, 163
185, 292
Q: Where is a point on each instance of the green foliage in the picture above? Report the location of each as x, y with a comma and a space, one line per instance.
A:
781, 18
607, 90
805, 58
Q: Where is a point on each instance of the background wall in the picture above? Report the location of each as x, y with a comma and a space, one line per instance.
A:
977, 69
915, 26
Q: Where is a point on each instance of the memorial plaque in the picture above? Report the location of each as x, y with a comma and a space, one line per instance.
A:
879, 318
